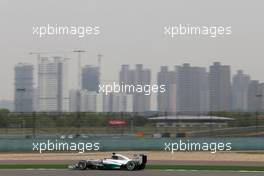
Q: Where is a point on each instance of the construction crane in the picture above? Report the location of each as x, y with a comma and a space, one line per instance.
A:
46, 53
64, 52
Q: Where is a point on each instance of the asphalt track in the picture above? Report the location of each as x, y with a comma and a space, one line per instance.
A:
39, 172
183, 162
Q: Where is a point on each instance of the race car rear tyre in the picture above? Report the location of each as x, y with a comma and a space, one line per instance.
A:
131, 165
141, 167
82, 165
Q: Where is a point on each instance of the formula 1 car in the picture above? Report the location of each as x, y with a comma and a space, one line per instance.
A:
117, 162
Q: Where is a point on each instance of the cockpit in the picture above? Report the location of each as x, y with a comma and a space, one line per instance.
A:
114, 157
118, 157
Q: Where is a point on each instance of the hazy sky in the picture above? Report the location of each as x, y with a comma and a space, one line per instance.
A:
131, 33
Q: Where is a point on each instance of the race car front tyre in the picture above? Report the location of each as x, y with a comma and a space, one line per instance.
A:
82, 165
131, 165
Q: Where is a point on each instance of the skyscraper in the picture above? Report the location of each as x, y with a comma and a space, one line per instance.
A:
126, 75
24, 88
220, 87
167, 99
260, 96
192, 89
117, 102
137, 76
254, 96
240, 91
74, 100
90, 78
53, 94
87, 101
141, 102
200, 90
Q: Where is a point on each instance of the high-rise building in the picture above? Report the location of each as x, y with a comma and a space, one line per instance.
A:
87, 101
99, 102
240, 91
141, 102
107, 102
126, 75
260, 96
35, 99
254, 96
90, 78
200, 90
117, 102
24, 88
220, 87
137, 76
74, 100
192, 89
166, 100
53, 94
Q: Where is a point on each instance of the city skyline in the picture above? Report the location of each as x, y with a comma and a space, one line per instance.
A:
189, 89
73, 67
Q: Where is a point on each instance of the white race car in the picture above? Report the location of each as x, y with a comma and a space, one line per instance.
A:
117, 161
